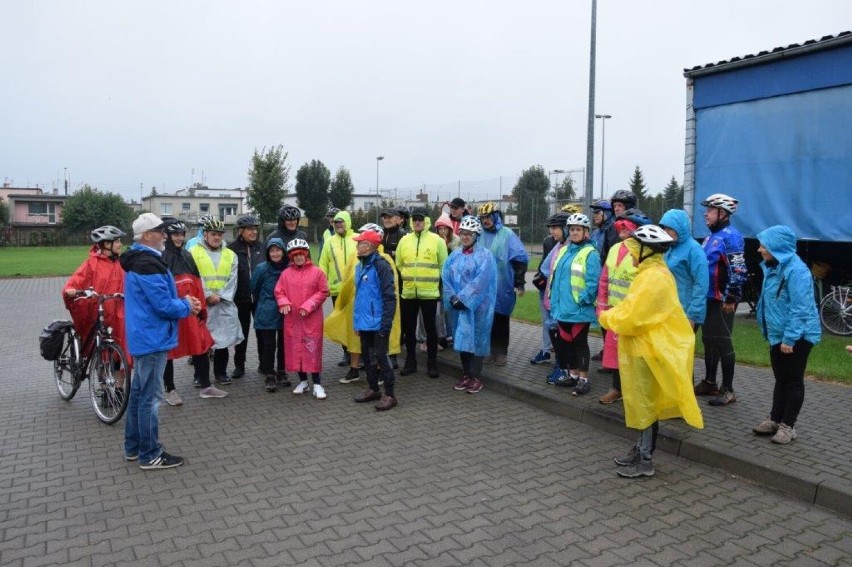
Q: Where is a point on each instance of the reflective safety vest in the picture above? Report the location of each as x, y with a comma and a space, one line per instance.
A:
578, 269
619, 274
214, 278
419, 258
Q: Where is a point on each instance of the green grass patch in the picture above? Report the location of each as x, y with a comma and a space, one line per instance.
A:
37, 261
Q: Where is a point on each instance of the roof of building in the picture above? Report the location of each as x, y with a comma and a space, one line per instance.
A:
37, 197
792, 50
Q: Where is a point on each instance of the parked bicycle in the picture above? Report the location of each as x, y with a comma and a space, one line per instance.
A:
835, 310
107, 368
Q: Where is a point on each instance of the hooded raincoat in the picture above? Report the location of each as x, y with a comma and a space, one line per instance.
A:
193, 335
786, 311
470, 276
223, 319
302, 287
337, 253
655, 348
444, 220
511, 258
267, 317
688, 264
564, 306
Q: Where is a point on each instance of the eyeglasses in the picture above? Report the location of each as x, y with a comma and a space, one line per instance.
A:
416, 219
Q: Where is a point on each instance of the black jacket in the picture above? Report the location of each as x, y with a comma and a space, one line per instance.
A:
286, 236
249, 256
391, 240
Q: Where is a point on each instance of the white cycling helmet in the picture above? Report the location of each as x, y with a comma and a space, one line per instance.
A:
106, 233
297, 244
471, 224
578, 219
653, 237
372, 227
721, 201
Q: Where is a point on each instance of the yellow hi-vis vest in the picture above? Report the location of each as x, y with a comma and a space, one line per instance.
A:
619, 275
419, 259
214, 278
578, 270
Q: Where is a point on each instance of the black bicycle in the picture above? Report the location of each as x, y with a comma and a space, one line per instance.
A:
107, 369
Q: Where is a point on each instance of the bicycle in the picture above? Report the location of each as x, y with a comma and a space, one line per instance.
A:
835, 310
107, 369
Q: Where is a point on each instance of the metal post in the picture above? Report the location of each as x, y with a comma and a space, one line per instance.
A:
378, 196
590, 123
603, 118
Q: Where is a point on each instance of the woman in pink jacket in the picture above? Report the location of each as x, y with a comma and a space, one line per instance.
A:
300, 293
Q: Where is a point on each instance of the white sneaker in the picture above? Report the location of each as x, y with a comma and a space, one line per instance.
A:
300, 389
212, 392
173, 398
319, 392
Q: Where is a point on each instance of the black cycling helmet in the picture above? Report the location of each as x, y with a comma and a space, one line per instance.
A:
175, 226
628, 198
559, 219
332, 212
106, 233
246, 221
289, 212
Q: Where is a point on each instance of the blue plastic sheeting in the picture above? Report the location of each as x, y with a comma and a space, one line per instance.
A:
823, 69
787, 159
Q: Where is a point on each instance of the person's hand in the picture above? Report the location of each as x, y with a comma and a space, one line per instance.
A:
729, 308
519, 291
303, 312
285, 309
194, 305
786, 349
213, 299
456, 303
70, 292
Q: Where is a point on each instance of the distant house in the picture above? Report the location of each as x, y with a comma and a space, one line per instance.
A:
193, 202
34, 216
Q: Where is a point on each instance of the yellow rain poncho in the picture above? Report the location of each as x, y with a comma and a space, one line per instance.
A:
338, 326
656, 345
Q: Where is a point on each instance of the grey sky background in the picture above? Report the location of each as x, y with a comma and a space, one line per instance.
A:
126, 94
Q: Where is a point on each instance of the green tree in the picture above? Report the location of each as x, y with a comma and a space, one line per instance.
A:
4, 220
565, 192
89, 208
673, 195
637, 185
342, 189
531, 197
268, 176
312, 182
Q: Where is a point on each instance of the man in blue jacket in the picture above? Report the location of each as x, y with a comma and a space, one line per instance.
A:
152, 310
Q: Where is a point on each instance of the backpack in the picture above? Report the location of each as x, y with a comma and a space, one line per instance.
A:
51, 339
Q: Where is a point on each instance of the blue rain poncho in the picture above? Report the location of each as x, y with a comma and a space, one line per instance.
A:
506, 248
471, 278
688, 264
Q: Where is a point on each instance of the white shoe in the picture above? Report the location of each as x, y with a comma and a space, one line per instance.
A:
300, 389
319, 392
212, 392
173, 398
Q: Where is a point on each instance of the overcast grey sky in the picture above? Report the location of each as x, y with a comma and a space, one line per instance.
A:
123, 94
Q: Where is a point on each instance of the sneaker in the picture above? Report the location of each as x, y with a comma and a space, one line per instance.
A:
540, 358
766, 427
474, 385
442, 343
212, 392
610, 397
499, 360
409, 368
173, 398
630, 458
724, 398
352, 376
462, 384
568, 380
598, 357
300, 389
583, 387
784, 435
164, 461
557, 375
196, 383
223, 379
283, 379
271, 384
319, 392
705, 388
640, 468
239, 372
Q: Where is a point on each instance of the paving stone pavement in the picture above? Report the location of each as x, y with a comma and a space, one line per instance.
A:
446, 478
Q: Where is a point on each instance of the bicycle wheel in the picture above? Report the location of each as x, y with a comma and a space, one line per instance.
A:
109, 382
835, 312
65, 367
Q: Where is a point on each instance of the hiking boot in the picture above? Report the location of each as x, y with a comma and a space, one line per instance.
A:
462, 384
164, 461
540, 358
283, 379
271, 384
474, 385
640, 468
351, 376
367, 395
705, 388
319, 392
724, 398
173, 398
784, 435
223, 379
630, 458
239, 372
568, 380
766, 427
212, 392
300, 389
409, 368
610, 397
432, 368
598, 357
582, 388
499, 360
386, 403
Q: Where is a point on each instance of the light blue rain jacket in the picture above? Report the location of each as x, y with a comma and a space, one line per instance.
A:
471, 278
506, 247
688, 264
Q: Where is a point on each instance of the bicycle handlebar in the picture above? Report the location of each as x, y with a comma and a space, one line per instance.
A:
87, 293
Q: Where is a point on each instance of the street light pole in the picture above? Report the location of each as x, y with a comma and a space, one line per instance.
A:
378, 197
604, 118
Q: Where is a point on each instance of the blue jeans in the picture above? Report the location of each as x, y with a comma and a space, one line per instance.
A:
647, 441
546, 323
141, 426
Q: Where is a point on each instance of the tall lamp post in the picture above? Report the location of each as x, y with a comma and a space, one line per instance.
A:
378, 197
604, 118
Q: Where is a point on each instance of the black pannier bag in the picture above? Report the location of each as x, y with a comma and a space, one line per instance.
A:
51, 338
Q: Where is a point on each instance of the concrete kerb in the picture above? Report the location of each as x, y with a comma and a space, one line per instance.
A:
833, 494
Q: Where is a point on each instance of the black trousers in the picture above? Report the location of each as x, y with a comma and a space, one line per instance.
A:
718, 346
244, 311
409, 309
471, 364
789, 393
271, 346
573, 355
374, 352
201, 366
500, 335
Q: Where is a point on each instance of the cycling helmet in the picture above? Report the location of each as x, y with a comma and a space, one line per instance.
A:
471, 224
289, 212
653, 237
204, 218
559, 219
635, 216
571, 208
297, 244
624, 196
332, 212
246, 221
721, 201
372, 227
486, 209
106, 233
175, 226
601, 205
578, 219
214, 225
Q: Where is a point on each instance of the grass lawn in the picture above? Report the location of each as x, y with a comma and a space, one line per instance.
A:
828, 360
37, 261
